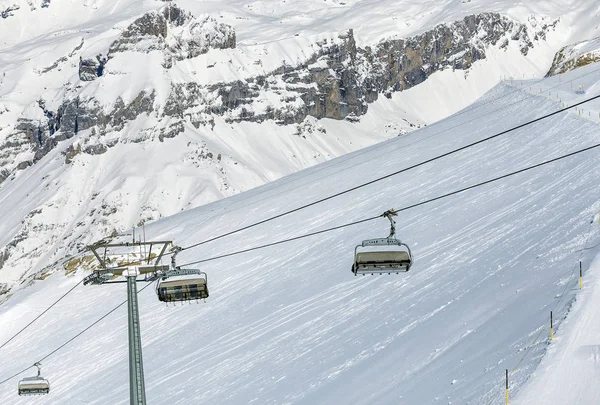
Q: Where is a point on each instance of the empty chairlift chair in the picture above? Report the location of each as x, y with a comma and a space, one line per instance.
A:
34, 385
172, 288
383, 261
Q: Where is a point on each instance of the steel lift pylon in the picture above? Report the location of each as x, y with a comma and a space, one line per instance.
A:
137, 389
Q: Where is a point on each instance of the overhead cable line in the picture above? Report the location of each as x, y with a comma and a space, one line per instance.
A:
408, 207
462, 148
47, 309
328, 229
375, 147
470, 145
341, 193
525, 124
15, 375
74, 337
40, 315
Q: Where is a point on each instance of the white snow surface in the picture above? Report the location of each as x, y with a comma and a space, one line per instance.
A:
265, 21
290, 324
577, 54
42, 42
144, 179
569, 372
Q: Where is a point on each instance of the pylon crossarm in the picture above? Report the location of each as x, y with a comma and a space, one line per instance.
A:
93, 249
132, 244
101, 276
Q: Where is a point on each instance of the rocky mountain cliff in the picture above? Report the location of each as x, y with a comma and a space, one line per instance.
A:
337, 81
574, 56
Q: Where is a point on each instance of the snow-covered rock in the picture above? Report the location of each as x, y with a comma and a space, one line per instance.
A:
574, 56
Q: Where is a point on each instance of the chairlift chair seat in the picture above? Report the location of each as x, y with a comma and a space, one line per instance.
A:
382, 262
376, 258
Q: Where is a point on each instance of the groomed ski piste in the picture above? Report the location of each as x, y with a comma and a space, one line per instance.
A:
569, 372
290, 324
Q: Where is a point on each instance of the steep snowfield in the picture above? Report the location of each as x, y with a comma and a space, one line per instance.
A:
52, 202
56, 207
291, 325
569, 372
264, 21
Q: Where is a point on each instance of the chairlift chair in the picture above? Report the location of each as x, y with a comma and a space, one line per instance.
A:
172, 288
383, 261
180, 284
34, 385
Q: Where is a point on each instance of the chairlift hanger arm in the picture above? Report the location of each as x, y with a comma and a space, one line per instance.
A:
175, 251
389, 214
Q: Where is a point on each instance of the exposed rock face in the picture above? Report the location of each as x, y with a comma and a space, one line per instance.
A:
197, 36
91, 69
338, 81
8, 11
341, 79
71, 152
70, 118
575, 56
28, 136
348, 78
145, 34
178, 34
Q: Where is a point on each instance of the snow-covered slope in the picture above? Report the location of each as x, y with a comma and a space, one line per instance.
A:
290, 324
568, 373
264, 21
134, 110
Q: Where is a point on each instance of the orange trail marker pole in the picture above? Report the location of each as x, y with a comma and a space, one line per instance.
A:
551, 327
580, 276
